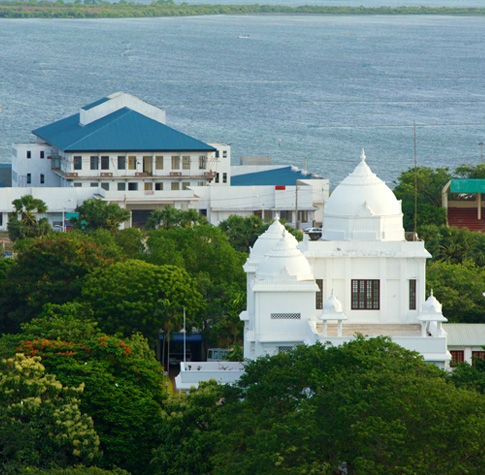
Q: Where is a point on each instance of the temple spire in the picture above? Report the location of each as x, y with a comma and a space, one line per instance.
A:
362, 155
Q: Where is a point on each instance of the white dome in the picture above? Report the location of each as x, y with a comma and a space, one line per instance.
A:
267, 240
362, 207
431, 310
285, 262
332, 309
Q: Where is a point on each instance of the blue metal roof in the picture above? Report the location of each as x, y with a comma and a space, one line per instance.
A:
286, 176
123, 130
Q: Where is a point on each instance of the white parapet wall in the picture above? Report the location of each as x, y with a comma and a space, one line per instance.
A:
192, 373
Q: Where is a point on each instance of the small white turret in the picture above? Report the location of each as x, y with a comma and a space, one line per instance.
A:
431, 312
332, 310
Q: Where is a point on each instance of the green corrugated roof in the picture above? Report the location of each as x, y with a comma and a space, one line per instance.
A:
465, 334
471, 185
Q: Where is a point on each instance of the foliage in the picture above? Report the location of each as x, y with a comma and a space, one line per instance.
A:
103, 9
23, 223
368, 406
430, 182
40, 420
169, 217
459, 288
470, 171
77, 470
124, 384
131, 296
470, 377
242, 232
131, 242
49, 270
205, 253
185, 431
5, 264
453, 245
97, 214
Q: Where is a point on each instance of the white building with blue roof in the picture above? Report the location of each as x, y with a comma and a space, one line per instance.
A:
122, 145
120, 148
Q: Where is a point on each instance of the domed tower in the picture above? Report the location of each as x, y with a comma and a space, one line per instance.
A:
362, 208
363, 254
282, 295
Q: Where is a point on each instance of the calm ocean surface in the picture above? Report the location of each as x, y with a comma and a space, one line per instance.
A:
299, 87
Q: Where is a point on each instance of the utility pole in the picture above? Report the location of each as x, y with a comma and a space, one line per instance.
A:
415, 185
481, 152
296, 206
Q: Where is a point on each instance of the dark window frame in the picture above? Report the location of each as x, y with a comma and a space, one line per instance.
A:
319, 294
412, 294
104, 162
365, 294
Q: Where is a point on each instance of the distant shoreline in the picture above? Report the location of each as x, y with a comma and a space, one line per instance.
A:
45, 9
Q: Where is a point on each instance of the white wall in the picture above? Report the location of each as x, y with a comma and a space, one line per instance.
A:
35, 166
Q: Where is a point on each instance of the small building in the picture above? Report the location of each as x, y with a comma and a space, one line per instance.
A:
463, 202
466, 341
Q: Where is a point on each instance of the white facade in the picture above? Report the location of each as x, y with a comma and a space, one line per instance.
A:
45, 164
58, 200
362, 262
361, 277
266, 200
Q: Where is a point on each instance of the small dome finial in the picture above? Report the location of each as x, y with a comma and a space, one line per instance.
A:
362, 155
431, 293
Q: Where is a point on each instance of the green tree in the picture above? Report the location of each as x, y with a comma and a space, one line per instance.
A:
77, 470
124, 385
97, 214
470, 377
185, 430
130, 296
170, 217
205, 253
23, 222
459, 287
470, 171
242, 232
368, 406
430, 183
48, 270
40, 420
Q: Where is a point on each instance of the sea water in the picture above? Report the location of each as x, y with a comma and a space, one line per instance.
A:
302, 89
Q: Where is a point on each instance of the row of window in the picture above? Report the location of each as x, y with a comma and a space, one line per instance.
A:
365, 294
28, 154
41, 178
135, 186
458, 356
122, 162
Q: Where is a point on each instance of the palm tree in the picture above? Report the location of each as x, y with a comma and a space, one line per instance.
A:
23, 221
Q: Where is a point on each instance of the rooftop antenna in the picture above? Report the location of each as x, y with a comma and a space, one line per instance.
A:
305, 165
415, 184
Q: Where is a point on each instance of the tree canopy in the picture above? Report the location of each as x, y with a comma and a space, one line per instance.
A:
368, 407
124, 386
132, 296
97, 214
430, 182
48, 270
40, 420
23, 223
170, 217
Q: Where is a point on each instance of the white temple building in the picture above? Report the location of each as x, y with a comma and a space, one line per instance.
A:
361, 277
